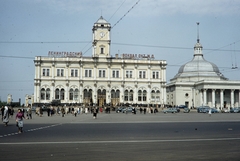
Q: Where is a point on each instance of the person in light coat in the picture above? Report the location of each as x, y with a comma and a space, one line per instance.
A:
5, 116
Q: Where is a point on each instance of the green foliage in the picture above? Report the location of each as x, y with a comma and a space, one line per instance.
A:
3, 103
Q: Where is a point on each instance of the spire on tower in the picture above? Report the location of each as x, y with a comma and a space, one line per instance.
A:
198, 32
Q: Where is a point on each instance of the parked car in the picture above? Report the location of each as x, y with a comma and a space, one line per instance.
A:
203, 109
127, 109
182, 106
235, 110
170, 110
213, 110
225, 110
119, 109
186, 110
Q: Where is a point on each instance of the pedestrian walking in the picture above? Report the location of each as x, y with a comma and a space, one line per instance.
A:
6, 116
94, 112
19, 120
63, 111
210, 112
29, 113
2, 112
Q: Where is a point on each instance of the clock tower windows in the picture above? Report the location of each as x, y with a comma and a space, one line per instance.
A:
101, 38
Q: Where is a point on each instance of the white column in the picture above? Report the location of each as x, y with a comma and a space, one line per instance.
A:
232, 98
200, 97
149, 95
53, 92
122, 94
204, 97
213, 97
135, 95
193, 97
80, 94
221, 98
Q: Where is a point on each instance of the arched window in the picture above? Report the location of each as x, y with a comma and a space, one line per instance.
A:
153, 96
139, 95
126, 95
43, 94
76, 94
57, 94
85, 94
131, 95
71, 94
158, 96
48, 94
62, 94
117, 94
144, 95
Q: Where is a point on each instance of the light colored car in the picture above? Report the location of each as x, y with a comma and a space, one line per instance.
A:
127, 110
170, 110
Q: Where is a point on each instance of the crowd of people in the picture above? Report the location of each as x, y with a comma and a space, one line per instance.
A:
26, 113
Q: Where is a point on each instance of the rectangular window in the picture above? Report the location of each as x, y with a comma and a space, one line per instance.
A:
115, 74
155, 74
128, 74
102, 50
102, 73
88, 73
144, 74
47, 72
62, 72
74, 72
43, 72
140, 74
58, 72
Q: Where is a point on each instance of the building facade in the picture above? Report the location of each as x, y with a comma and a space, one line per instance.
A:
199, 83
101, 78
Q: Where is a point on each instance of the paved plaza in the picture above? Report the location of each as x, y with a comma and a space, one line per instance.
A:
114, 117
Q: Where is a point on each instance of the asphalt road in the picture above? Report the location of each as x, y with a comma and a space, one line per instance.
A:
124, 137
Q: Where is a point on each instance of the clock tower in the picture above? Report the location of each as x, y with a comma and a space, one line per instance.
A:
101, 38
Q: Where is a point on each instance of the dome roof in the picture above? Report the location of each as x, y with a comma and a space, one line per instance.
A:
199, 67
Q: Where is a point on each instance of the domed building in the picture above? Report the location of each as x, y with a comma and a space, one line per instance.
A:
200, 83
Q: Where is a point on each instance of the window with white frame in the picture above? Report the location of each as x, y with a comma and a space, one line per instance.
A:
88, 72
60, 72
74, 72
155, 74
115, 73
142, 74
128, 73
45, 72
102, 73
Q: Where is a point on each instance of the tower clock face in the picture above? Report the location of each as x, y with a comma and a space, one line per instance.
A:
102, 34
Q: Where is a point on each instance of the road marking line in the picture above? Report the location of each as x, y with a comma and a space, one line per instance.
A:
121, 141
30, 130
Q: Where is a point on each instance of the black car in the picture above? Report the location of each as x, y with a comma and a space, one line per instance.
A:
182, 106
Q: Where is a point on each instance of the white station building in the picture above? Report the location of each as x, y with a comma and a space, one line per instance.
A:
70, 77
200, 83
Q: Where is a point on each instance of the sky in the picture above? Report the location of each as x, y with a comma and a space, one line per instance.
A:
165, 28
